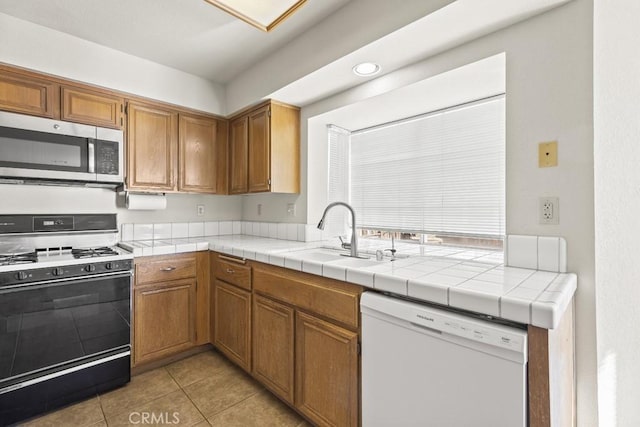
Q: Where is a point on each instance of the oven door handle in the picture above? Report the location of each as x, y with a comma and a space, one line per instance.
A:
66, 281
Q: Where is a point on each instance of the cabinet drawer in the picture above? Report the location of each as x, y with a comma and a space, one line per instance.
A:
165, 269
234, 272
327, 297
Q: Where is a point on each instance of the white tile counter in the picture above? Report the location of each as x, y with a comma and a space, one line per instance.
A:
469, 279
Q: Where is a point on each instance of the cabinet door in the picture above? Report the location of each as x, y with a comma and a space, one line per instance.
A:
232, 325
92, 108
151, 146
164, 320
198, 154
273, 346
22, 94
326, 372
259, 151
238, 152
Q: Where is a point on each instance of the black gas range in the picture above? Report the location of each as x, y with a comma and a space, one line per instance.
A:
57, 263
65, 308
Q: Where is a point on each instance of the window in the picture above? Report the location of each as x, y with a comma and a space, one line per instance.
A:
441, 173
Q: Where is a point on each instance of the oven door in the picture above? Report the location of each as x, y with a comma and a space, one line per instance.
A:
61, 324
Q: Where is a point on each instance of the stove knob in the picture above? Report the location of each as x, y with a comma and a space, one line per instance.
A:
57, 272
108, 266
21, 275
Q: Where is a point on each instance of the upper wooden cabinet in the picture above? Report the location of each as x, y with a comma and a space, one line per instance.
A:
271, 135
238, 155
169, 151
29, 95
202, 155
152, 137
92, 108
259, 150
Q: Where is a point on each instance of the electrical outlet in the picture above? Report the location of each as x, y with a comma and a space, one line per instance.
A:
291, 209
200, 210
259, 208
549, 210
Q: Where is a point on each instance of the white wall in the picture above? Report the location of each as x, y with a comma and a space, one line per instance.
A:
34, 199
617, 209
39, 48
33, 46
549, 81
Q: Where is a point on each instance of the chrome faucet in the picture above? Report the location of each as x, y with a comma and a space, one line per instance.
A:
393, 249
354, 238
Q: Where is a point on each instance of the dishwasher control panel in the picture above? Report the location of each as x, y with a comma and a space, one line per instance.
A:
437, 321
440, 321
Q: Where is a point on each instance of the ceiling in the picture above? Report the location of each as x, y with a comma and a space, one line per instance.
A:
450, 26
306, 58
189, 35
478, 80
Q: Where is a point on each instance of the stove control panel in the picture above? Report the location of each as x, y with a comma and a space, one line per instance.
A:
19, 277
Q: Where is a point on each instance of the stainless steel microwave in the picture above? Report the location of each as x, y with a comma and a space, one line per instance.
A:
35, 149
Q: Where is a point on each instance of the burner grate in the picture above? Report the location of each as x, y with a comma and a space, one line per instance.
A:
23, 258
93, 252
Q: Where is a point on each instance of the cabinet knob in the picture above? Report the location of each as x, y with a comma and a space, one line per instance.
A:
168, 269
230, 271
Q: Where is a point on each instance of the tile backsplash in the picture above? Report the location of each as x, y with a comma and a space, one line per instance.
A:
537, 252
284, 231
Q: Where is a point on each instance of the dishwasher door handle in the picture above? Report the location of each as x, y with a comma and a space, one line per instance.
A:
426, 328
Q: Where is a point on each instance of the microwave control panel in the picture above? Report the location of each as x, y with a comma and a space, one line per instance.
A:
107, 157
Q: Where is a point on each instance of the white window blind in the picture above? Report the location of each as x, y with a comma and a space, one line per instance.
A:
336, 222
441, 172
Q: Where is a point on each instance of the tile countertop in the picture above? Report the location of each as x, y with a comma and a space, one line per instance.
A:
464, 278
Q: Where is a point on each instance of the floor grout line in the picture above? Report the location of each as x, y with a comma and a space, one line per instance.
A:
104, 416
237, 403
142, 403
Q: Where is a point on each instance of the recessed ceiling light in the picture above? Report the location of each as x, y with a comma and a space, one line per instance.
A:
366, 69
264, 15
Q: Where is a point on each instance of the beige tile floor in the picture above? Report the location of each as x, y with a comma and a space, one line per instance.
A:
202, 390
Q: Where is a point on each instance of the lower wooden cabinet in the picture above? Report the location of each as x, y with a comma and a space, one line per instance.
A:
164, 321
232, 324
273, 346
170, 304
296, 333
327, 366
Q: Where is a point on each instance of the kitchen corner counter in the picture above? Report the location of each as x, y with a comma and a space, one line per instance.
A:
165, 246
457, 277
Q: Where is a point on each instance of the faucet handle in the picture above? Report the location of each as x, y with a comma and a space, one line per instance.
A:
343, 244
393, 253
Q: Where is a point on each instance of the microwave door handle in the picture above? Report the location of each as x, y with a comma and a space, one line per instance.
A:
91, 152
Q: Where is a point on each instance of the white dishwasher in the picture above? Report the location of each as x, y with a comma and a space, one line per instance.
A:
423, 366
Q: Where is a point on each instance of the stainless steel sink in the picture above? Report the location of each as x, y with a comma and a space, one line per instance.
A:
317, 254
